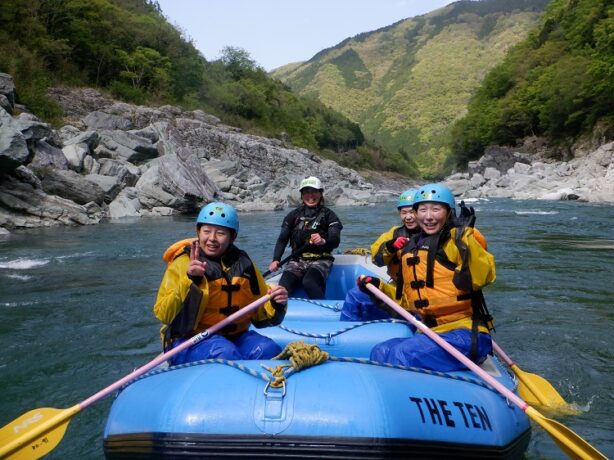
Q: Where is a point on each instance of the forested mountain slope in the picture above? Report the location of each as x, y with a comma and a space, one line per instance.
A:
128, 49
557, 84
406, 84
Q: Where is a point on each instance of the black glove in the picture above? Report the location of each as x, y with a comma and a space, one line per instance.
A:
467, 216
278, 306
363, 280
196, 279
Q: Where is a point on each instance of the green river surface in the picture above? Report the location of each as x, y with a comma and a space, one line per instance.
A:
76, 306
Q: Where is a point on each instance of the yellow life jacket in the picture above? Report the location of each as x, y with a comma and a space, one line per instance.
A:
228, 285
229, 289
177, 249
430, 270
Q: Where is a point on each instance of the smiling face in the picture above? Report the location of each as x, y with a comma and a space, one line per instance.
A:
214, 240
408, 217
311, 196
432, 216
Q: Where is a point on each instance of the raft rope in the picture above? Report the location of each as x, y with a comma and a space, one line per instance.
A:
334, 307
304, 355
330, 335
301, 356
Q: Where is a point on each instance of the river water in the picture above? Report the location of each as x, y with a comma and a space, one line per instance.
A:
76, 307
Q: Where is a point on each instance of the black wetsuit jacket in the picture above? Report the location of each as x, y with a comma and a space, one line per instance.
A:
301, 223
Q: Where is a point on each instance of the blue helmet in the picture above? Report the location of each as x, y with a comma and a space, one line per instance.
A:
407, 198
435, 192
221, 214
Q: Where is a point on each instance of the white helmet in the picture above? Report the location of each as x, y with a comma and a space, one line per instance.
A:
312, 182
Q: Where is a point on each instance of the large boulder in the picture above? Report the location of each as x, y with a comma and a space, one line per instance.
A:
13, 147
185, 179
499, 158
23, 204
7, 91
126, 204
103, 120
70, 185
47, 156
125, 146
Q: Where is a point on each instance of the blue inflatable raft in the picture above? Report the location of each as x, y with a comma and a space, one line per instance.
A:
343, 408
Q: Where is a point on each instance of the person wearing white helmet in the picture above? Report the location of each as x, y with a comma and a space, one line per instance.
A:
207, 280
443, 270
313, 231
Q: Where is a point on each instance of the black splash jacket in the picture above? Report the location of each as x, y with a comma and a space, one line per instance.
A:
301, 223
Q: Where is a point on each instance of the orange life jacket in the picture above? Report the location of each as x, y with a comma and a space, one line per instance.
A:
229, 288
428, 284
229, 284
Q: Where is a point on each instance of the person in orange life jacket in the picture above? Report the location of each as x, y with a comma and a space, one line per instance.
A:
444, 269
359, 306
208, 280
313, 231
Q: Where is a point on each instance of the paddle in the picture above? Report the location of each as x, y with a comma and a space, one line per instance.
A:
38, 432
572, 444
534, 389
286, 259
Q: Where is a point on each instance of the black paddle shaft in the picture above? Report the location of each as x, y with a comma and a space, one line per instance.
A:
286, 259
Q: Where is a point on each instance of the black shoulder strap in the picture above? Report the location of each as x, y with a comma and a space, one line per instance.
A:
316, 222
430, 260
242, 265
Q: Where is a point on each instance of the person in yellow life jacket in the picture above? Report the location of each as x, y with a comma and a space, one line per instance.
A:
207, 280
384, 249
443, 270
359, 306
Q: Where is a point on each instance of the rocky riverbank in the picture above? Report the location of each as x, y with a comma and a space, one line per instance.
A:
112, 160
528, 174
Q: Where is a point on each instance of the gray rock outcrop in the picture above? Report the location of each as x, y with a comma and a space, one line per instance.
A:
113, 160
505, 172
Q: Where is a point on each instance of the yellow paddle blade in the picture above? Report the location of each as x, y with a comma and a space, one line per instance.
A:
35, 433
537, 391
569, 442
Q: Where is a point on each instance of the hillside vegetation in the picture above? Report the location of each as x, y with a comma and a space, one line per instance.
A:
128, 48
406, 84
558, 83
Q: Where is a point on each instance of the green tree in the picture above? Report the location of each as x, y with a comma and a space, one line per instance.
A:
237, 61
145, 68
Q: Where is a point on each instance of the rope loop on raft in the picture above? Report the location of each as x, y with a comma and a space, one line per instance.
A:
301, 356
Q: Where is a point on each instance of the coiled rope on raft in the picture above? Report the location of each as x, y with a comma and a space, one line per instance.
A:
301, 356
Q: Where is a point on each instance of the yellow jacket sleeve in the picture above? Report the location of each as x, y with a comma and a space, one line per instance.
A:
480, 262
173, 290
480, 238
379, 254
388, 288
267, 314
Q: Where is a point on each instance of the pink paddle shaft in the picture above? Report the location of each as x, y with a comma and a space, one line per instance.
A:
449, 348
502, 354
169, 354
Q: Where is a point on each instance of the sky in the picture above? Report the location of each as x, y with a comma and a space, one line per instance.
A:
278, 32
